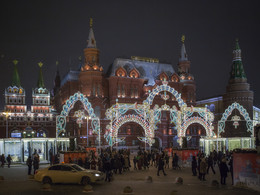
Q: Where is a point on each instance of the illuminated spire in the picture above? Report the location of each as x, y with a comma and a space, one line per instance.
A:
183, 54
16, 79
237, 71
91, 22
40, 83
91, 38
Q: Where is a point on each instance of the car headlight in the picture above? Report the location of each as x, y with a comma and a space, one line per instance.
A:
97, 174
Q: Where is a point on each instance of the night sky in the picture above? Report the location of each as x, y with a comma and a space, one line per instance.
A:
34, 31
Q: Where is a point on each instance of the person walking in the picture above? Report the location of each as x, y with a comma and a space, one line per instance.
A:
135, 161
194, 166
175, 162
161, 166
223, 168
2, 160
9, 160
203, 169
107, 168
36, 162
29, 163
167, 159
210, 164
50, 156
231, 167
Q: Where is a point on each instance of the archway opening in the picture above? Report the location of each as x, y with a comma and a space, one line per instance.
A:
193, 134
131, 131
157, 143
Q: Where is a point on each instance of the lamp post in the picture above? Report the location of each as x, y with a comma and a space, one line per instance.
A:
99, 137
87, 117
6, 130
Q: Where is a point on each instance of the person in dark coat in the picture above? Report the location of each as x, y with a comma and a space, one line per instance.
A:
194, 166
2, 160
50, 156
167, 159
223, 168
210, 164
231, 167
107, 168
87, 163
36, 161
9, 160
29, 164
56, 159
80, 162
135, 161
160, 166
175, 162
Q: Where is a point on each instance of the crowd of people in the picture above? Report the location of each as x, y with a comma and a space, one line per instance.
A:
204, 163
118, 161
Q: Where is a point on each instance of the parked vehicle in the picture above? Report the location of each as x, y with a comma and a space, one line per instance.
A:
68, 173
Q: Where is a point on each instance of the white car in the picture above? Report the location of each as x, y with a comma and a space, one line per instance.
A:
68, 173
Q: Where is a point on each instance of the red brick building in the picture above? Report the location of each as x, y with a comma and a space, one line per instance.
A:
126, 81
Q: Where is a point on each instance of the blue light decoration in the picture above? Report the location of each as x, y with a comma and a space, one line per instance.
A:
61, 119
161, 88
242, 111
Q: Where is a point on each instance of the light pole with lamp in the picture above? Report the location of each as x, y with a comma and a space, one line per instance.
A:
87, 117
7, 116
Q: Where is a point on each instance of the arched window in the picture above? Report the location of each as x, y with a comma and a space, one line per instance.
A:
134, 73
175, 78
97, 111
41, 133
121, 72
163, 77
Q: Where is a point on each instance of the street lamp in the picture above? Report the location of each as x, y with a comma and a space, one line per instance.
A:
6, 130
87, 117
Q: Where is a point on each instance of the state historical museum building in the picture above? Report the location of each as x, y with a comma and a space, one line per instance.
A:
127, 81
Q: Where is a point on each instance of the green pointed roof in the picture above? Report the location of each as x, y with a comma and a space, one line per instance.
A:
237, 45
237, 71
16, 79
40, 83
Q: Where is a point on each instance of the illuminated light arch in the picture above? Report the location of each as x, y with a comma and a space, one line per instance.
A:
111, 135
165, 87
61, 119
228, 112
208, 127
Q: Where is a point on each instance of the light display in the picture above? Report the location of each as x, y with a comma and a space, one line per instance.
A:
80, 115
236, 120
242, 111
149, 117
161, 88
208, 127
61, 119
